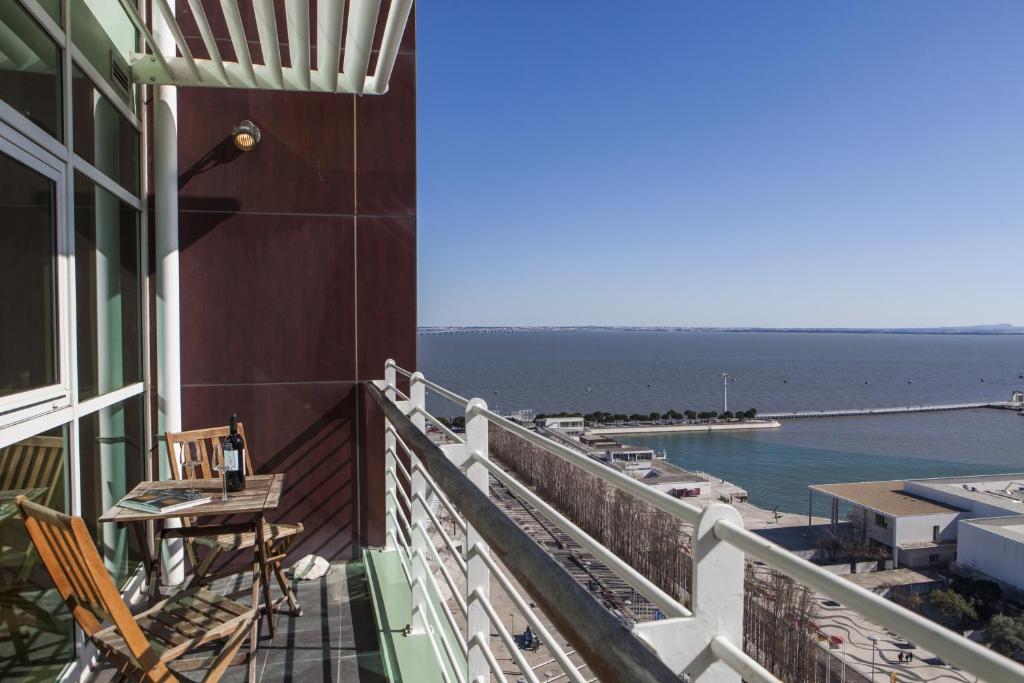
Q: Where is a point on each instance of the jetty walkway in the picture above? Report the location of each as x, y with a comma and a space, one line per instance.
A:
1004, 405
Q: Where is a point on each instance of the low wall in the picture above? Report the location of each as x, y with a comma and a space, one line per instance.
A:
844, 568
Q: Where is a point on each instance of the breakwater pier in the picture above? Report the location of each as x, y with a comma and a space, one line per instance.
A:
895, 410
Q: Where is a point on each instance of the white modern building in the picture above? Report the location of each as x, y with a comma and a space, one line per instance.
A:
921, 520
571, 426
994, 546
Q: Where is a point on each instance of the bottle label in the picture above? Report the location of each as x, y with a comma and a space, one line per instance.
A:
241, 464
231, 459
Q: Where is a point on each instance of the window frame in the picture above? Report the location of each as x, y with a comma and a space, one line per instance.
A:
33, 402
32, 412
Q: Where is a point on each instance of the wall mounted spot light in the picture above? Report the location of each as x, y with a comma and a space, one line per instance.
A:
245, 135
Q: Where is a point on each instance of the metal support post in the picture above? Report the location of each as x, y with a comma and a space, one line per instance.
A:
418, 513
390, 477
685, 643
165, 190
478, 576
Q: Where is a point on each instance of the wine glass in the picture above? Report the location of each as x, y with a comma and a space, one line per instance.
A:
220, 469
192, 465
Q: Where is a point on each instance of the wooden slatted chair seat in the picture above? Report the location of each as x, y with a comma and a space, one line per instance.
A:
34, 464
180, 624
205, 447
142, 646
239, 541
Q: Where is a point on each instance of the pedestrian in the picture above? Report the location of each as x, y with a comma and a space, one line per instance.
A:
910, 656
899, 657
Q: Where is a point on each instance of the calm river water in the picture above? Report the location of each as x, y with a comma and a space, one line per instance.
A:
644, 371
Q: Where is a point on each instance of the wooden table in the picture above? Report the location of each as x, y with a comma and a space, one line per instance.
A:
262, 492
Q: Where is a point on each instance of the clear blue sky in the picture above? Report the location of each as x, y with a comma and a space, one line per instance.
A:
721, 163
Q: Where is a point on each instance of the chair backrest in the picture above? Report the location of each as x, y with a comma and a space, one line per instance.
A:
32, 463
67, 550
204, 445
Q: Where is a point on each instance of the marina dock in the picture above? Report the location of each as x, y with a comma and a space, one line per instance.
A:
935, 408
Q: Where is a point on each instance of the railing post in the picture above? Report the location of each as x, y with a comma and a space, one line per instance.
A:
685, 644
717, 603
478, 576
390, 446
418, 513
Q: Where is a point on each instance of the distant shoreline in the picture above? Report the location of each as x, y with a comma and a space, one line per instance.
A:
977, 330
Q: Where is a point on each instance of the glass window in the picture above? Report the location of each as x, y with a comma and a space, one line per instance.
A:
108, 291
112, 457
28, 253
103, 137
30, 69
36, 635
53, 8
106, 37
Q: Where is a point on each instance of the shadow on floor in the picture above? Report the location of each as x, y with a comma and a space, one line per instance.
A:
333, 641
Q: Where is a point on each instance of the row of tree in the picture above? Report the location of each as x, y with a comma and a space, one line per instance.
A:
601, 417
972, 603
779, 612
650, 540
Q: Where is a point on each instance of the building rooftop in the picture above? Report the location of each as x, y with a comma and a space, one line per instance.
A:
1009, 527
886, 497
1004, 491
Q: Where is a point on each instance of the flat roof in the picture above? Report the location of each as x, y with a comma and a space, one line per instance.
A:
997, 490
887, 497
1010, 527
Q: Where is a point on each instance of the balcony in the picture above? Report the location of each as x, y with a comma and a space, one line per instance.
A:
459, 579
480, 578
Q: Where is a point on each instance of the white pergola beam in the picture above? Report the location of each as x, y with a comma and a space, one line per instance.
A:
362, 23
157, 54
297, 15
329, 15
165, 67
394, 29
179, 39
266, 27
199, 14
238, 40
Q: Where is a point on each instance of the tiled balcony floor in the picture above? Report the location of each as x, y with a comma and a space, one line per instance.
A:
334, 640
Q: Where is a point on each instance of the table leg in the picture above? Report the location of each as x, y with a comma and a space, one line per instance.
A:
254, 635
261, 554
150, 562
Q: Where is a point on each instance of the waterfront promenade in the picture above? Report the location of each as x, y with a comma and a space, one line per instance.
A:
896, 410
684, 428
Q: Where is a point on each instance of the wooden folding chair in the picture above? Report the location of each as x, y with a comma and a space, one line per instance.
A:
144, 646
205, 446
31, 465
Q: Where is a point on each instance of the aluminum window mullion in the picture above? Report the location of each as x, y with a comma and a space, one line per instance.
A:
18, 122
28, 138
35, 425
108, 399
46, 21
106, 182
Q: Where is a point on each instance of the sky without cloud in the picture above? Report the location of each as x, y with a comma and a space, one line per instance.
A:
721, 163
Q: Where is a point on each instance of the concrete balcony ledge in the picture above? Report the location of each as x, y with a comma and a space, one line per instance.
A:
405, 658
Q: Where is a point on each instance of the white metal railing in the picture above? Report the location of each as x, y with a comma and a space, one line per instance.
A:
703, 643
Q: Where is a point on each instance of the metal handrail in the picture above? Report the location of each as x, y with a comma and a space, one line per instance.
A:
604, 642
481, 514
954, 648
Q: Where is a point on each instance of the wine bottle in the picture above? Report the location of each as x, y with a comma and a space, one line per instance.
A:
234, 458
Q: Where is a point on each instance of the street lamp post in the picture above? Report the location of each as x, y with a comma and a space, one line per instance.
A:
842, 676
874, 641
725, 392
